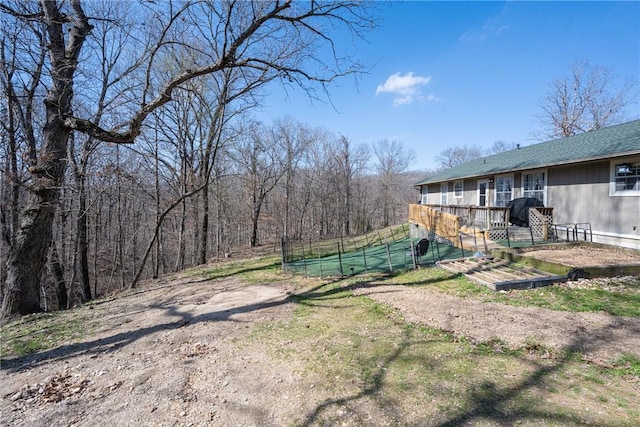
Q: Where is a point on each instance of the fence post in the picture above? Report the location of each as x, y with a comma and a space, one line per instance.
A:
320, 262
433, 253
413, 255
405, 258
304, 261
340, 260
484, 241
364, 256
389, 258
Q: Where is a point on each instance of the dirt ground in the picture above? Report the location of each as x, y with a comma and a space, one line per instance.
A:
586, 256
168, 355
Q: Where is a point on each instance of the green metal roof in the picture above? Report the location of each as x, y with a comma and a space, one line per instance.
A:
598, 144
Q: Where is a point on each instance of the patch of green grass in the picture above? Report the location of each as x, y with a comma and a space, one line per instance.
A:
594, 378
250, 269
627, 365
364, 353
576, 300
39, 332
555, 297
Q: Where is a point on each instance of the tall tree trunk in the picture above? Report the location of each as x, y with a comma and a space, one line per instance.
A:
27, 257
258, 202
181, 243
219, 219
97, 240
62, 294
158, 254
82, 255
204, 226
10, 225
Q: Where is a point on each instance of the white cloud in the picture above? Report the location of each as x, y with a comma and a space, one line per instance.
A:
406, 88
502, 29
489, 29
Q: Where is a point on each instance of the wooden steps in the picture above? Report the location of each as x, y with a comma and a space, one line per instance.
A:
499, 274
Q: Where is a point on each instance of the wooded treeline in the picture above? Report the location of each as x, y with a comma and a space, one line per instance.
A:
129, 149
268, 181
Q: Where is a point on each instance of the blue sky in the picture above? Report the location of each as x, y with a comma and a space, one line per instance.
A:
462, 73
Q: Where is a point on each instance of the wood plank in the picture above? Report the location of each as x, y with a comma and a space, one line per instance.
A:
500, 275
528, 283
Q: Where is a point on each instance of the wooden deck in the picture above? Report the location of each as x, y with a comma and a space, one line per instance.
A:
473, 227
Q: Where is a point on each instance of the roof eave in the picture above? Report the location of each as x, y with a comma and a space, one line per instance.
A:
544, 165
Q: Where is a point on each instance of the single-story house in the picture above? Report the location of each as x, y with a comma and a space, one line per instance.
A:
591, 178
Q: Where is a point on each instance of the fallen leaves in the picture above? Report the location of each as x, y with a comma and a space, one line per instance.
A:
53, 389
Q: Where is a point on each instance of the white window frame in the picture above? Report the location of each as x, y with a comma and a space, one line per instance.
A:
546, 183
495, 188
486, 193
444, 193
612, 178
455, 190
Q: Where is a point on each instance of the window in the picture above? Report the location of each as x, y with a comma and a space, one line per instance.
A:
482, 192
504, 190
533, 185
625, 177
444, 192
457, 189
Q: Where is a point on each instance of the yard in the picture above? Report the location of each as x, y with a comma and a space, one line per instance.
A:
239, 343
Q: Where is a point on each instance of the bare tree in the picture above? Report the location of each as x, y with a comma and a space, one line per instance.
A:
247, 36
348, 161
262, 161
392, 160
105, 100
295, 139
502, 146
589, 97
455, 156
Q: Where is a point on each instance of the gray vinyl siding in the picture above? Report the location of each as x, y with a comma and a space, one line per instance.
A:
470, 192
434, 194
580, 193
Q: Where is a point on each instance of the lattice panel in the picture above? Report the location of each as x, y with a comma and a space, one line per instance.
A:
498, 234
540, 221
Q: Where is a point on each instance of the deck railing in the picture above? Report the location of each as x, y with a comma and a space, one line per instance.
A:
443, 223
483, 217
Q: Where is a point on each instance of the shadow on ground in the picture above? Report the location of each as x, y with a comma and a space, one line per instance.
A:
488, 402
